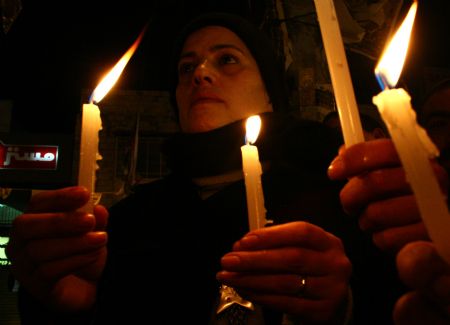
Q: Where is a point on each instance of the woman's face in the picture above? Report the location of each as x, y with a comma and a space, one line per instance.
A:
218, 81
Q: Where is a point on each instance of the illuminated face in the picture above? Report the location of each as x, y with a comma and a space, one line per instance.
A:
218, 81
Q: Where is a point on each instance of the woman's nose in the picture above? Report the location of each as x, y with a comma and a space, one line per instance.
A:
203, 74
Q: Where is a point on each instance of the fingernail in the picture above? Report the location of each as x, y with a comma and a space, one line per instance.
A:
87, 221
222, 275
97, 238
341, 149
78, 193
77, 190
336, 167
229, 261
249, 241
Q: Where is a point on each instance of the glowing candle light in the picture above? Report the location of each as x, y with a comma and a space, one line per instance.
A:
339, 72
91, 124
252, 175
411, 141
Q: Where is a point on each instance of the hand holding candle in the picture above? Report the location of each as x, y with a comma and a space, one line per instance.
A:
255, 203
252, 175
413, 145
91, 124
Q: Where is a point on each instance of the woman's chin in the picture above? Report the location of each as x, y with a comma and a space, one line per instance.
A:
203, 121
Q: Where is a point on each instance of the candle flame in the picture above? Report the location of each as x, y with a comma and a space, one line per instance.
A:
391, 63
252, 127
110, 79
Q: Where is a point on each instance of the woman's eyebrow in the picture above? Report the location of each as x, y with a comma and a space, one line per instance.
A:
225, 46
190, 54
213, 48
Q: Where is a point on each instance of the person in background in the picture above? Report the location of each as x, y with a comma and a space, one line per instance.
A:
178, 250
434, 116
372, 128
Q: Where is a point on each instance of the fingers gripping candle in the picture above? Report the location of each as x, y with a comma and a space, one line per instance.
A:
411, 141
91, 124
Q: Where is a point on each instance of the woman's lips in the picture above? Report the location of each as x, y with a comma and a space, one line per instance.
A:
205, 99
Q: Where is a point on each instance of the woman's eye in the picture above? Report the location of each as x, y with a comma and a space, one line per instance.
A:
186, 67
227, 59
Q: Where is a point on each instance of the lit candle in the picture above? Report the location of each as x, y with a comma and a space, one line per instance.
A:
339, 72
411, 141
91, 124
255, 204
252, 175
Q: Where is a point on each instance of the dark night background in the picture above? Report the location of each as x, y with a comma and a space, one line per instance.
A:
57, 48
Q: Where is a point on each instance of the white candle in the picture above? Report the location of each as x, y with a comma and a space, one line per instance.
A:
91, 124
339, 72
252, 175
414, 147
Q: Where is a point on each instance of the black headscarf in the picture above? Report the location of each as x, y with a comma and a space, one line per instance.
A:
259, 44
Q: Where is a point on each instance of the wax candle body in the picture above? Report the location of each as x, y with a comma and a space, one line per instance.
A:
91, 124
252, 176
339, 72
415, 149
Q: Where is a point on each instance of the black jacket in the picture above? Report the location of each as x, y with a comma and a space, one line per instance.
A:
165, 242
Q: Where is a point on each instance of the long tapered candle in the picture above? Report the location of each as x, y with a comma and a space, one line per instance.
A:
411, 141
339, 72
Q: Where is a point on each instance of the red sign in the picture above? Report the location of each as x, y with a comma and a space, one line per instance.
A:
17, 156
